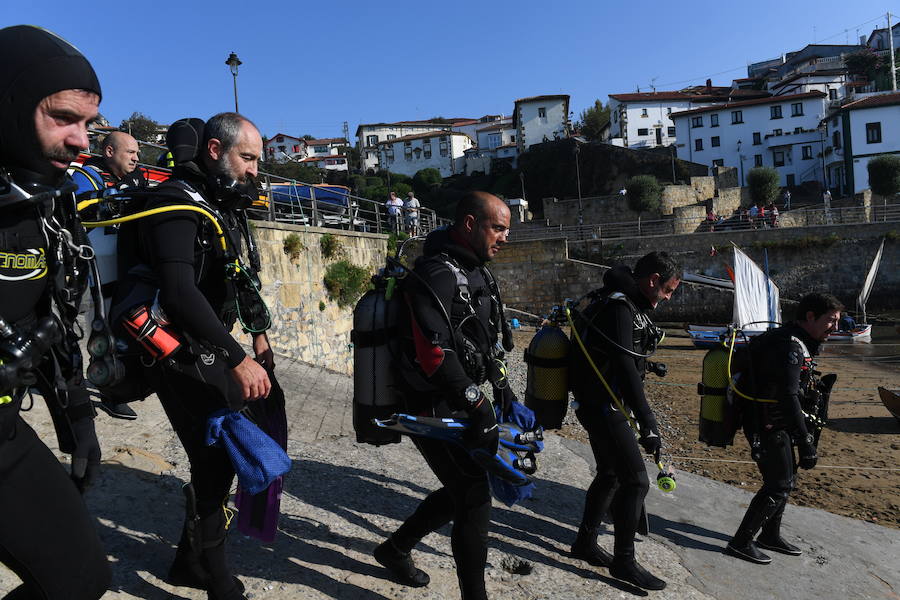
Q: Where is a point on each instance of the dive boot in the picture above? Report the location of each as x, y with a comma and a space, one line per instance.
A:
400, 565
748, 551
627, 569
770, 536
587, 549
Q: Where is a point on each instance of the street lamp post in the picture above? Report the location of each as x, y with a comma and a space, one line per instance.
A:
233, 62
578, 181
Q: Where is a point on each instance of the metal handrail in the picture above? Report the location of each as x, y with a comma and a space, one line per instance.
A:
808, 217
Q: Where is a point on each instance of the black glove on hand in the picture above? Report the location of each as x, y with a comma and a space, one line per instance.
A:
650, 440
482, 433
808, 456
86, 457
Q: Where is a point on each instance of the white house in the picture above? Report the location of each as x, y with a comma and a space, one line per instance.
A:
325, 147
471, 128
878, 39
836, 84
858, 132
493, 141
283, 147
369, 135
540, 119
780, 132
330, 162
441, 150
643, 119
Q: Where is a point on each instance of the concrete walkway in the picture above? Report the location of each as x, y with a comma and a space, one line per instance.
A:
341, 499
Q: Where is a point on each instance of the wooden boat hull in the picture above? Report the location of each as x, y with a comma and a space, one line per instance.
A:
891, 401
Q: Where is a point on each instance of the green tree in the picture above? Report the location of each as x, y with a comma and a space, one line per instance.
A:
141, 127
643, 193
764, 184
593, 120
884, 174
864, 62
426, 184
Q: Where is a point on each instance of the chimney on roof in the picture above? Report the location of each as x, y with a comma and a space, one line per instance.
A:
862, 40
709, 85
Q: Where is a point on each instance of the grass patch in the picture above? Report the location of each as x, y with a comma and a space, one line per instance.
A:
394, 240
331, 246
293, 246
809, 241
346, 282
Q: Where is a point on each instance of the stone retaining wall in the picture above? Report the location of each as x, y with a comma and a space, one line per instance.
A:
293, 289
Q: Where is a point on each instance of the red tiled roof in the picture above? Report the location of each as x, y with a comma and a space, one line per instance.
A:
496, 127
545, 97
326, 141
873, 101
651, 96
767, 100
293, 137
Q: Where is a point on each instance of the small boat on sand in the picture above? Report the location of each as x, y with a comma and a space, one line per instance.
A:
891, 401
861, 332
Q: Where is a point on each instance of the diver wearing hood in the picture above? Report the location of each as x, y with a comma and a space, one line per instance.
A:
48, 94
179, 262
619, 336
440, 374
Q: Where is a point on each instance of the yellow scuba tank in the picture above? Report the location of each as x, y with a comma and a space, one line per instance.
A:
719, 413
547, 390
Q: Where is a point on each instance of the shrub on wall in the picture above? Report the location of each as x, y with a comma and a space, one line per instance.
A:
764, 184
293, 245
884, 174
330, 246
346, 282
643, 193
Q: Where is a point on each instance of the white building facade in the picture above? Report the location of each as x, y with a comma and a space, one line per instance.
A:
441, 150
325, 147
283, 147
330, 162
858, 132
643, 120
781, 132
370, 135
540, 119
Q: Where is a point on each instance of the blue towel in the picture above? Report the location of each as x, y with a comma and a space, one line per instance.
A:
256, 457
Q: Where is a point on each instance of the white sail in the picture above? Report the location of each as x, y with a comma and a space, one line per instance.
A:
755, 295
870, 280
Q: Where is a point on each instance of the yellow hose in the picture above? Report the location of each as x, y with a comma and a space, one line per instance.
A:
156, 211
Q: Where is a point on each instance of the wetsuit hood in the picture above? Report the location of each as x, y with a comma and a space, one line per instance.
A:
442, 240
621, 279
36, 64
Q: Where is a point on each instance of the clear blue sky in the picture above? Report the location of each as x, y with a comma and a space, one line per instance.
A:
311, 65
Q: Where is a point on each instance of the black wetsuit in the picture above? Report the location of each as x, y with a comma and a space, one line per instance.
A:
436, 377
187, 265
780, 371
47, 537
620, 485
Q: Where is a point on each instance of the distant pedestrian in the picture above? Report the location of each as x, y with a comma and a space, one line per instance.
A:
394, 207
826, 204
772, 215
411, 208
753, 216
786, 197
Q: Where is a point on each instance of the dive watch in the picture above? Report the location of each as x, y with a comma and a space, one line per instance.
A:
472, 394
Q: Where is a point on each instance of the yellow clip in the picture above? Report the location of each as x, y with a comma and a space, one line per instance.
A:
5, 399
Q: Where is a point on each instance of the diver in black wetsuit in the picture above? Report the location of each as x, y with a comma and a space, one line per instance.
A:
439, 381
781, 376
179, 253
618, 335
48, 94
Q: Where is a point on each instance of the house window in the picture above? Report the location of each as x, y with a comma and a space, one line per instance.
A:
371, 140
542, 113
671, 131
669, 111
719, 162
873, 133
737, 116
321, 148
798, 130
832, 94
512, 139
775, 112
806, 152
698, 145
714, 141
281, 148
778, 158
443, 138
407, 143
443, 148
776, 132
280, 139
295, 148
696, 121
836, 139
427, 150
644, 112
757, 160
713, 120
757, 138
391, 136
797, 109
643, 132
407, 152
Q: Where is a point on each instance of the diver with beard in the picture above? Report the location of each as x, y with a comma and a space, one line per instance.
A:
619, 337
48, 94
183, 269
